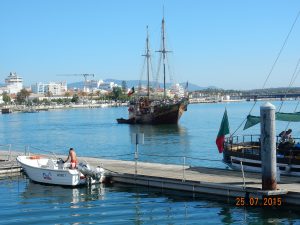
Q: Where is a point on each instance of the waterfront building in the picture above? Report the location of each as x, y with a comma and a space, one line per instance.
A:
92, 85
55, 88
13, 84
38, 88
177, 90
107, 86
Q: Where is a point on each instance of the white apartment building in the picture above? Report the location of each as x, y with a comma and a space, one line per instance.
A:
55, 88
38, 88
107, 86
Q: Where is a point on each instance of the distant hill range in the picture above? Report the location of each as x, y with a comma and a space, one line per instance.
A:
135, 83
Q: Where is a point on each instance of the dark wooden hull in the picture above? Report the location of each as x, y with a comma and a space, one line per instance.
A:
126, 121
164, 113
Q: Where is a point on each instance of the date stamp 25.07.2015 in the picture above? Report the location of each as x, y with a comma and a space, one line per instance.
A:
265, 201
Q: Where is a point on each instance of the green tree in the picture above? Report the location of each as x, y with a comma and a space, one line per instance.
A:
22, 96
46, 101
36, 101
6, 98
116, 93
75, 98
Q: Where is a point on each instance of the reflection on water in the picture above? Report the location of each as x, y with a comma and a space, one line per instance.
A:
158, 130
63, 194
186, 207
31, 203
161, 134
167, 141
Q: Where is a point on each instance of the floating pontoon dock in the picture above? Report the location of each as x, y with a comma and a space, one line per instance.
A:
222, 182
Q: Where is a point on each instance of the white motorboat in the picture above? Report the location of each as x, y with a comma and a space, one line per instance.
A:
55, 171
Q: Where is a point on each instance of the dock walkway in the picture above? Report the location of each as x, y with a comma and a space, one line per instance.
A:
223, 182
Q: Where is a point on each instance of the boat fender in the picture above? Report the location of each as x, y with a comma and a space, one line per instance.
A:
34, 157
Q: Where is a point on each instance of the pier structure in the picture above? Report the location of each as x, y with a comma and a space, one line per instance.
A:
195, 180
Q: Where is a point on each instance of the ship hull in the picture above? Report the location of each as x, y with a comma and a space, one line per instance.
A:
159, 114
163, 114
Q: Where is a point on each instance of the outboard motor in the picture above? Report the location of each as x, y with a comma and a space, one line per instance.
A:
95, 173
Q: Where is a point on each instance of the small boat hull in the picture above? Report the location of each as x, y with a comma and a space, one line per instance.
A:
48, 171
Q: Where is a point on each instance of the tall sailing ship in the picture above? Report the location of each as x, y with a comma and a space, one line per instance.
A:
152, 107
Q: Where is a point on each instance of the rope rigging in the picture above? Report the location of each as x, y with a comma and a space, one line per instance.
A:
295, 74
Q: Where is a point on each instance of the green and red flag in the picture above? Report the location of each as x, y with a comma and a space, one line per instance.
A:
131, 91
224, 129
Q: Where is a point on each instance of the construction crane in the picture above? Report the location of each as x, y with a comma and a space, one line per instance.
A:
85, 75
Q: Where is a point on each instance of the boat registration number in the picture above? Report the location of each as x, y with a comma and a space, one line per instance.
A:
61, 175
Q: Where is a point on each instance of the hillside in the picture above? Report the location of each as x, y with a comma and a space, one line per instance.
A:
135, 83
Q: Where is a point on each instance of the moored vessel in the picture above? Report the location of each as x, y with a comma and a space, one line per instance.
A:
156, 106
244, 151
55, 171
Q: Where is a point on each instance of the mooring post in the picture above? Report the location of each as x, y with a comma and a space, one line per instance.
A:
268, 146
137, 138
136, 154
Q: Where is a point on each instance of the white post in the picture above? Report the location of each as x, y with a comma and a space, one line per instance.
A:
268, 147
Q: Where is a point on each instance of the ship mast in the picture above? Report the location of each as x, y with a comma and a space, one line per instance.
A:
147, 55
163, 51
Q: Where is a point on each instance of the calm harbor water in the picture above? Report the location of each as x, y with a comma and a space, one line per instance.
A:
25, 202
94, 132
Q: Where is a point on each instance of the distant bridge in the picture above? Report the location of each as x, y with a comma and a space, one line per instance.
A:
278, 96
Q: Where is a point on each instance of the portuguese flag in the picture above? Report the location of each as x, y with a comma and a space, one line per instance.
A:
131, 91
224, 129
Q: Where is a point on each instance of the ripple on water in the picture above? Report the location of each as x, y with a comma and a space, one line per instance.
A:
31, 203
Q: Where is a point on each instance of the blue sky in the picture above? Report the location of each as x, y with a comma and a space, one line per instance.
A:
228, 44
